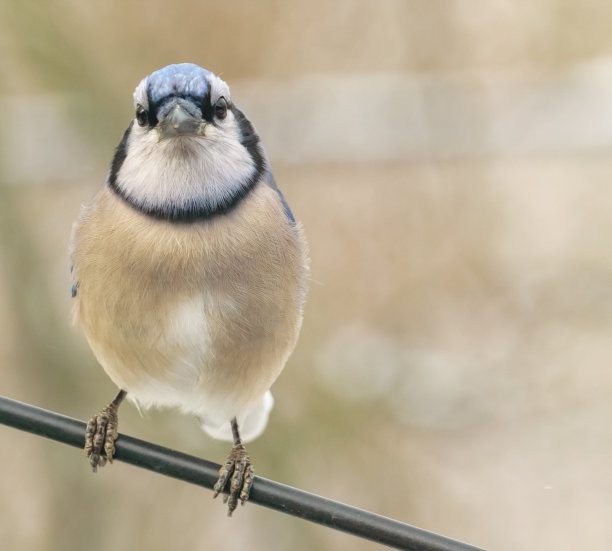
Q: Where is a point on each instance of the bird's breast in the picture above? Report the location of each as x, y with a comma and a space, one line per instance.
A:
186, 309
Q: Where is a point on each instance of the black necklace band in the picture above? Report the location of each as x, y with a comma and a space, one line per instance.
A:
196, 210
189, 213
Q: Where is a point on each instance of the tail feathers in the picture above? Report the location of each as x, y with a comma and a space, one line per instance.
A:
251, 423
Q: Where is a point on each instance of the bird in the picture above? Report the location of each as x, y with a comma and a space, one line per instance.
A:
189, 270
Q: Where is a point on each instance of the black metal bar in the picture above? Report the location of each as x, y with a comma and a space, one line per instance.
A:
204, 473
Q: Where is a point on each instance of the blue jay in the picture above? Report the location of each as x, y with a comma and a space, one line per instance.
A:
189, 270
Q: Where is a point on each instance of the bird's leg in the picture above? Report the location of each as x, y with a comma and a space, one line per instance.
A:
238, 467
101, 433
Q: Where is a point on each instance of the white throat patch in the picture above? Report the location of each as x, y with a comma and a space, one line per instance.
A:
186, 171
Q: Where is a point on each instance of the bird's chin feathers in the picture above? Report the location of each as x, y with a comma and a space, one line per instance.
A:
187, 172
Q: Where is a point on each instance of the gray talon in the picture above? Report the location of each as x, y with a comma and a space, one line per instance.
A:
101, 432
239, 471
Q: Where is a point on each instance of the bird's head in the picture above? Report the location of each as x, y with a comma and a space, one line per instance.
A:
189, 152
180, 101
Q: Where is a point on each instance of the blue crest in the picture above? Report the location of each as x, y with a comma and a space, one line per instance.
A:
182, 79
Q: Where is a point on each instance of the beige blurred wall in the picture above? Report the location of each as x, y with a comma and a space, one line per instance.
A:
451, 163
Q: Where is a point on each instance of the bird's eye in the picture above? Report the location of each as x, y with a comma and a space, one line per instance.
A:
141, 115
221, 109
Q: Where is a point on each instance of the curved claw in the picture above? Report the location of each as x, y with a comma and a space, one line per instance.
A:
224, 473
100, 436
238, 467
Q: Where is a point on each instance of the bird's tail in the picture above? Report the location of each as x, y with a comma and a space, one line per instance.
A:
251, 423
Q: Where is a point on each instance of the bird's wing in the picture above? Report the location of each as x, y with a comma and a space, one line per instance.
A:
269, 180
75, 284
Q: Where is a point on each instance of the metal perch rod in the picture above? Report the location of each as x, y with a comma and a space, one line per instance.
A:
265, 492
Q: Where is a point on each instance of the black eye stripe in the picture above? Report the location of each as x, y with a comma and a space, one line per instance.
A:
203, 102
210, 112
207, 109
152, 109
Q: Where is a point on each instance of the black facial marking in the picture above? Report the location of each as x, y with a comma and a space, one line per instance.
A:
250, 140
203, 102
118, 158
152, 110
203, 209
207, 108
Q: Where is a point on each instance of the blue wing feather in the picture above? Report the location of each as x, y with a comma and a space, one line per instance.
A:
269, 181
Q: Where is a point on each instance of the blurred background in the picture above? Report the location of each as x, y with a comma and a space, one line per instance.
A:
451, 162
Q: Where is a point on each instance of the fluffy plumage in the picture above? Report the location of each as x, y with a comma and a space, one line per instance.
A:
188, 267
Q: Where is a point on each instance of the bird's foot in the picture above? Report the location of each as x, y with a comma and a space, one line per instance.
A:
100, 436
238, 467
